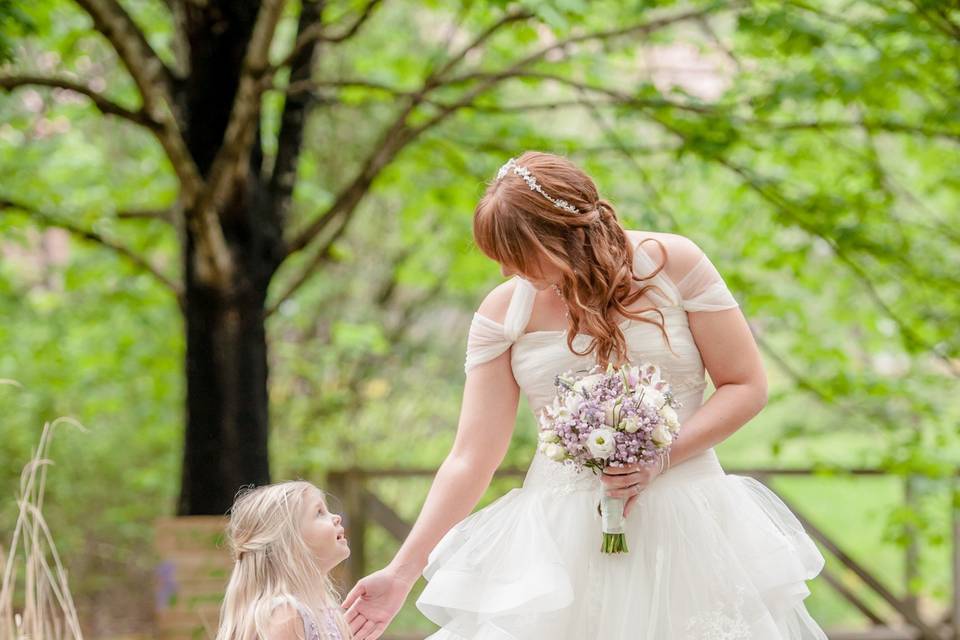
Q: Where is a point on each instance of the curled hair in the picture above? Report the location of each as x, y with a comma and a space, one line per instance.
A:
513, 225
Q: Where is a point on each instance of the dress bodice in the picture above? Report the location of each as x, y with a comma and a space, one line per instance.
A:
538, 356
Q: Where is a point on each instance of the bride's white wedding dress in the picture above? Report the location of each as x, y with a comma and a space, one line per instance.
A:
712, 556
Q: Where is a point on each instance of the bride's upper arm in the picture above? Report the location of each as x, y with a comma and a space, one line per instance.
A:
491, 394
719, 328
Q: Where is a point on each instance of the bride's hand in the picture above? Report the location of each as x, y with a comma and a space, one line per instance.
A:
627, 482
373, 602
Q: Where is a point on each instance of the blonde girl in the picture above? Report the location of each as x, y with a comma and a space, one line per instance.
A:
285, 542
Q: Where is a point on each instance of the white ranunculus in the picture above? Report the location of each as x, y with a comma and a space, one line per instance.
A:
670, 417
587, 383
549, 435
661, 435
601, 443
630, 424
554, 451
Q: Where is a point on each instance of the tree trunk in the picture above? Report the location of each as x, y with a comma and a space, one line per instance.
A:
226, 359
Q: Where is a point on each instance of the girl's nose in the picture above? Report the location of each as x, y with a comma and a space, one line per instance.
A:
337, 518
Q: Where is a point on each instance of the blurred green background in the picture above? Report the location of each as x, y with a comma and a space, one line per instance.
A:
810, 148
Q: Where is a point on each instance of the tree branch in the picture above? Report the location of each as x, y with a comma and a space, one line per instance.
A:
104, 105
866, 124
308, 38
321, 256
92, 236
296, 110
154, 81
352, 30
152, 77
164, 215
399, 134
230, 164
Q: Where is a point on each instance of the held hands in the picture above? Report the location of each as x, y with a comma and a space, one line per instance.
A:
627, 482
373, 602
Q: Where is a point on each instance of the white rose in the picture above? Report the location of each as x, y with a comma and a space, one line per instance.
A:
587, 383
653, 398
612, 414
549, 435
670, 417
601, 443
661, 435
572, 403
630, 424
554, 451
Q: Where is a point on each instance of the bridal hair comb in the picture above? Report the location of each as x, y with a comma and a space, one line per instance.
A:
524, 173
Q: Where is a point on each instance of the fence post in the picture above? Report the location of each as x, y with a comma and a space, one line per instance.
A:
912, 550
348, 488
955, 509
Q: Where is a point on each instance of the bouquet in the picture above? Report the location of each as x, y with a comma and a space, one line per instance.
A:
620, 417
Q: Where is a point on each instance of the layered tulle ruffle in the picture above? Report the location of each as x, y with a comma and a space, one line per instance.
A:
712, 556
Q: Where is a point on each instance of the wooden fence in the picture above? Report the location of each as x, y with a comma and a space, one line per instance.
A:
363, 507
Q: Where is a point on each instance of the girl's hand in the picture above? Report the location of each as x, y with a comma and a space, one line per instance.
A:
627, 482
373, 602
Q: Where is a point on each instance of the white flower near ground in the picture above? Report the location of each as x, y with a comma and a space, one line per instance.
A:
661, 435
601, 442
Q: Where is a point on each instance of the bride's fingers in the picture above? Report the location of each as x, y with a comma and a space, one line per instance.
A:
365, 632
619, 471
353, 595
356, 624
619, 482
353, 612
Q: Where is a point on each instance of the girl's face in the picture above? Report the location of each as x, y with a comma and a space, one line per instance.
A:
322, 531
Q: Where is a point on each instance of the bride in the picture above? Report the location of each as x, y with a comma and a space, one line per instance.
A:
712, 556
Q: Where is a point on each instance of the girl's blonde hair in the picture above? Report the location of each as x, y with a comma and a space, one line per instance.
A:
272, 561
513, 224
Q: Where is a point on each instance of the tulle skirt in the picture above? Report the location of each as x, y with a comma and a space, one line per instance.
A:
711, 557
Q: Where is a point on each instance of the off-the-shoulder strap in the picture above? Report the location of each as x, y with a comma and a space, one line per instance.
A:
521, 305
489, 338
644, 265
703, 288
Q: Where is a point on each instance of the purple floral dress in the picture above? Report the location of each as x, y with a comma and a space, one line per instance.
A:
326, 630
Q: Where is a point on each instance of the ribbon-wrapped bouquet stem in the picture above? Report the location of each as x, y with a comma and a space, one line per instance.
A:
623, 416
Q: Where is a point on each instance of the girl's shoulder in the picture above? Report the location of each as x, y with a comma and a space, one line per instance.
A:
286, 623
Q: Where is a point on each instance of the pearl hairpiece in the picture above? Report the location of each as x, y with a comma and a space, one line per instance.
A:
524, 173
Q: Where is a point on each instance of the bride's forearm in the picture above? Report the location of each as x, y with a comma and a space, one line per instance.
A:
455, 491
725, 411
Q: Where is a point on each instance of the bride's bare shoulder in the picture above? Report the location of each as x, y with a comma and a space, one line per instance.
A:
495, 304
682, 253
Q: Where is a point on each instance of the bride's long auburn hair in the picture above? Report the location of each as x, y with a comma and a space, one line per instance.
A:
513, 225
